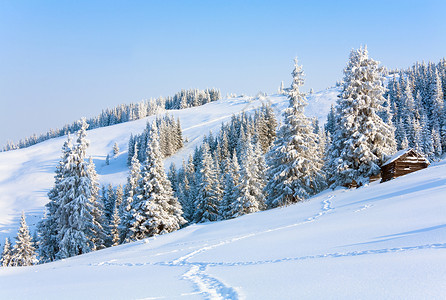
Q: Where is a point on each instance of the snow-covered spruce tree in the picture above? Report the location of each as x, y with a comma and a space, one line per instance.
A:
130, 190
99, 219
188, 190
24, 253
5, 260
173, 177
266, 127
231, 180
109, 203
294, 162
77, 213
362, 140
114, 228
249, 192
209, 193
48, 227
330, 125
115, 149
154, 209
119, 195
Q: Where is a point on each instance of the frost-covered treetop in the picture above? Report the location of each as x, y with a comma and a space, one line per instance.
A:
83, 143
297, 99
363, 80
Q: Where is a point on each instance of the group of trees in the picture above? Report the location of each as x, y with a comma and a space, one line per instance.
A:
415, 98
414, 105
247, 168
80, 219
149, 206
126, 112
225, 176
23, 253
192, 98
170, 138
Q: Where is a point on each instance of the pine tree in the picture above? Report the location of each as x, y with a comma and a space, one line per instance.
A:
100, 222
362, 141
249, 191
109, 204
114, 228
426, 142
115, 150
281, 88
130, 191
119, 196
207, 201
132, 148
330, 125
24, 252
48, 227
154, 208
266, 127
76, 213
107, 160
173, 177
178, 136
188, 190
231, 181
5, 260
436, 141
437, 102
294, 164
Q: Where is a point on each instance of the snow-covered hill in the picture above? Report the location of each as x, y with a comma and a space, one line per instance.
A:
383, 241
26, 175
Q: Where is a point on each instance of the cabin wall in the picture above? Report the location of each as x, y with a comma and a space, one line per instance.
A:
387, 172
402, 167
405, 167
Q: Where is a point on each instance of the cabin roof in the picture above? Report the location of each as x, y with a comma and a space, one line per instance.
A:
403, 152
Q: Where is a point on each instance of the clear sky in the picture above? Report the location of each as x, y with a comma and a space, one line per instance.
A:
61, 60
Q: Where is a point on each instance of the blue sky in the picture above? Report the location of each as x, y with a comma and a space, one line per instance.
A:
61, 60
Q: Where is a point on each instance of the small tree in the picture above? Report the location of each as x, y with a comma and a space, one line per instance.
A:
115, 150
5, 261
209, 192
114, 228
24, 253
130, 191
231, 181
249, 197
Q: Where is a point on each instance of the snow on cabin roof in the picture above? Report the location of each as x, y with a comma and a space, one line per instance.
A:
399, 154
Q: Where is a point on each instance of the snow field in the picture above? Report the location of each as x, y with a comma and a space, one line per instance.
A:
382, 241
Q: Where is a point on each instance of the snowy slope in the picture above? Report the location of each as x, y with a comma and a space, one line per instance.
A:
26, 175
383, 241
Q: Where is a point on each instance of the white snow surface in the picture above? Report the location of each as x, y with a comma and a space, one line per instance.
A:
382, 241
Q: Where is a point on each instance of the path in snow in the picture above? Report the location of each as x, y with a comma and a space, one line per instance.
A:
211, 287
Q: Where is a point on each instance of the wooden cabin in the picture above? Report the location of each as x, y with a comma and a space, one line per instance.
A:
403, 162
